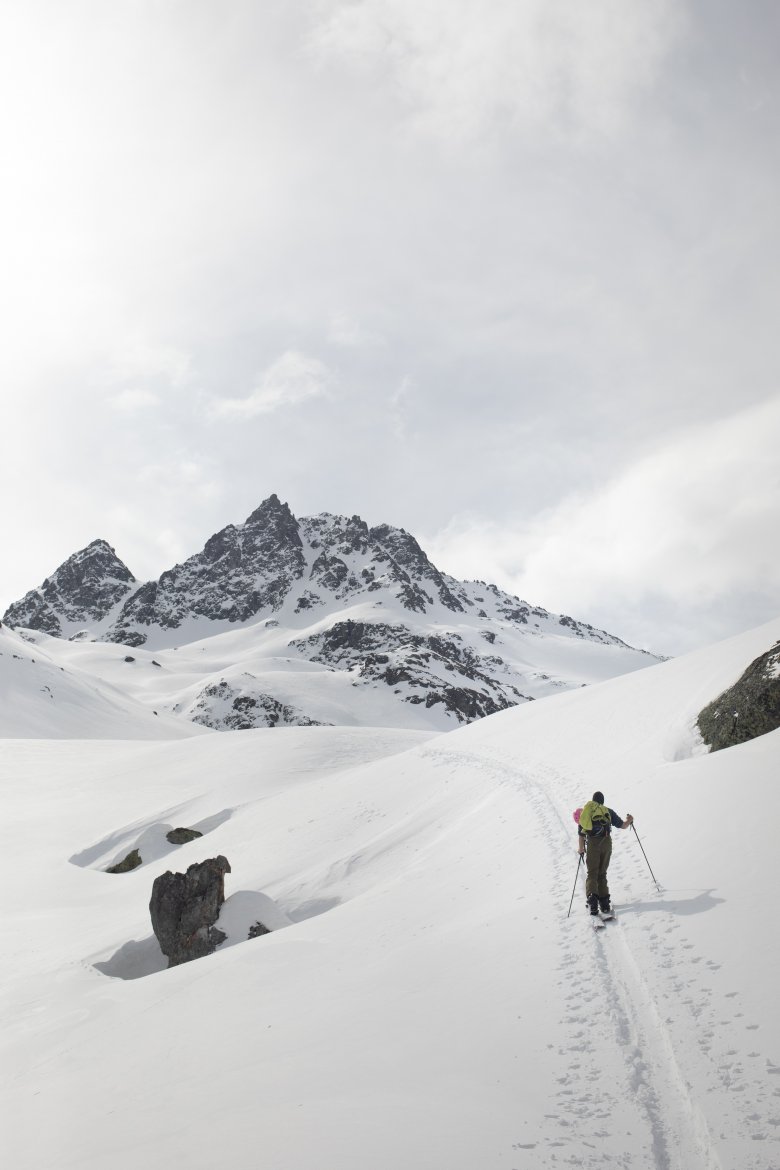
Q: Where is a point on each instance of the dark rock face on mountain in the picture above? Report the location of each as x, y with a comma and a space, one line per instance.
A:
352, 558
184, 908
748, 709
85, 588
420, 668
240, 572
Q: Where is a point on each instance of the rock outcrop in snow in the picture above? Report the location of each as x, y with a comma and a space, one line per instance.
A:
131, 861
748, 709
185, 907
226, 707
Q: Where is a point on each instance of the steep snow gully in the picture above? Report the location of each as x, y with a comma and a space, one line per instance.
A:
648, 1034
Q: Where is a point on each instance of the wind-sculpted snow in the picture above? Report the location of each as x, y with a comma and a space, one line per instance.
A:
365, 603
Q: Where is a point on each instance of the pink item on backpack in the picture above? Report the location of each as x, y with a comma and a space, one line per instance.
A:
576, 815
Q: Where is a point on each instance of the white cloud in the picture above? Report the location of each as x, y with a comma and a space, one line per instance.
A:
181, 473
140, 359
699, 513
571, 68
400, 401
690, 524
347, 332
292, 379
131, 401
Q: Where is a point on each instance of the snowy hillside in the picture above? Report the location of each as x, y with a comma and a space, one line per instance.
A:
49, 696
429, 1004
281, 622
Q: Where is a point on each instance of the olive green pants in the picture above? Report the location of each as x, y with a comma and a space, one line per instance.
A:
597, 858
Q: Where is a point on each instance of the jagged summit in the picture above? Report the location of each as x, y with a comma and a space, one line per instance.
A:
83, 590
324, 596
243, 570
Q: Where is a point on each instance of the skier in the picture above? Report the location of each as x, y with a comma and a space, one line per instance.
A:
595, 825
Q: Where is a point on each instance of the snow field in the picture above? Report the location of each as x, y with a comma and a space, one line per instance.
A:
431, 1005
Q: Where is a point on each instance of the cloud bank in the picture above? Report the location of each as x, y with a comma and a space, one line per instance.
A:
689, 524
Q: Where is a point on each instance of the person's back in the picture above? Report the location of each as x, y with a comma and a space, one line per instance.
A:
596, 822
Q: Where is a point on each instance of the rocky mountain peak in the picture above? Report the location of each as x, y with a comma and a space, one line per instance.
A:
85, 588
274, 515
242, 570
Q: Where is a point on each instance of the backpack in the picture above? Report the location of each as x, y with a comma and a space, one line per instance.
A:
595, 820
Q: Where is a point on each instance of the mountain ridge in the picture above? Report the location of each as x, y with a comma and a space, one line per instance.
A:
366, 602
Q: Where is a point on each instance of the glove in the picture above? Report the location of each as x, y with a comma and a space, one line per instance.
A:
629, 819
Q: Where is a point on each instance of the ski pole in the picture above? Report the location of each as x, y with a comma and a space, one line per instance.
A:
577, 874
655, 879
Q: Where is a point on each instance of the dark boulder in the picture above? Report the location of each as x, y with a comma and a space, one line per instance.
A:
132, 861
748, 709
182, 836
184, 908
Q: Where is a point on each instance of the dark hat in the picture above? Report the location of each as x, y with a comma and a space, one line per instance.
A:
598, 797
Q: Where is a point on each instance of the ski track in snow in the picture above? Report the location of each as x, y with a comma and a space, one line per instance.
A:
661, 1079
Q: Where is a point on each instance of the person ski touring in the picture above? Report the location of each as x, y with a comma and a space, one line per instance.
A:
594, 826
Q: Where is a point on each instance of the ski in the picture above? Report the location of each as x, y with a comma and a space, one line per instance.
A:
607, 915
596, 922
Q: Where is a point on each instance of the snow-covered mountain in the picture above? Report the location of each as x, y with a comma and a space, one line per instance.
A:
280, 621
423, 1000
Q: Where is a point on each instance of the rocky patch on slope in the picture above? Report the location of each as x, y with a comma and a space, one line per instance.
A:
226, 707
429, 669
748, 709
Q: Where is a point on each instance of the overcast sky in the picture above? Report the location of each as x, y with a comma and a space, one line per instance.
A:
504, 273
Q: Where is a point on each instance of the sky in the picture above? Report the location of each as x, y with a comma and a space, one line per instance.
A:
503, 274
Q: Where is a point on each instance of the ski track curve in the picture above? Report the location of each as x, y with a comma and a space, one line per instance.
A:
670, 1055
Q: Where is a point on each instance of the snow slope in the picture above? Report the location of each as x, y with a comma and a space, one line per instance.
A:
430, 1004
44, 694
271, 659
